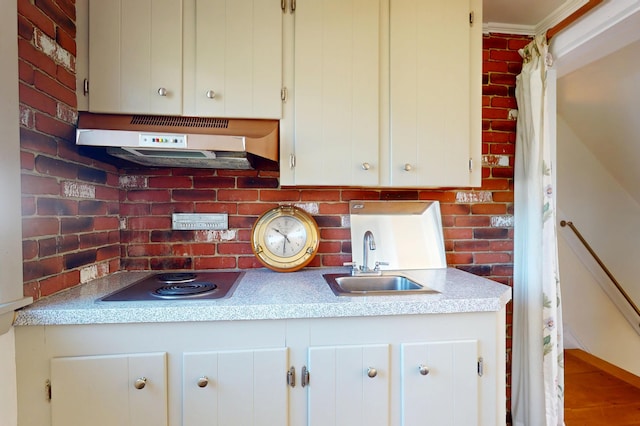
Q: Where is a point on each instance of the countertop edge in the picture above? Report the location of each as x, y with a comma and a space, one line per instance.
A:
77, 306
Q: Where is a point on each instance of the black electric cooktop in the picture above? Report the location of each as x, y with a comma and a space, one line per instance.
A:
189, 285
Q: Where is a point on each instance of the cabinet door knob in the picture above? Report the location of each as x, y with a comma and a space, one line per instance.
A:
372, 372
366, 166
424, 370
203, 382
162, 91
408, 167
211, 94
140, 383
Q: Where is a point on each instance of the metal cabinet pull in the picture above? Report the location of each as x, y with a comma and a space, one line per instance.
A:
203, 382
424, 370
372, 372
291, 377
162, 91
408, 167
304, 379
140, 383
211, 94
366, 166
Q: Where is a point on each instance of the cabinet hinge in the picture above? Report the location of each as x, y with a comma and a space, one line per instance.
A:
304, 376
471, 18
480, 366
291, 377
85, 87
47, 390
292, 161
470, 165
284, 94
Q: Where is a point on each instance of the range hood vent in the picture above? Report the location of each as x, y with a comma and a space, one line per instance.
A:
173, 121
177, 141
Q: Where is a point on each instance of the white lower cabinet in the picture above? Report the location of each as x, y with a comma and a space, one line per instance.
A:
349, 385
440, 383
235, 388
123, 390
411, 370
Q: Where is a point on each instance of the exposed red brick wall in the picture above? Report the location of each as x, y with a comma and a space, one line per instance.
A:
70, 204
501, 65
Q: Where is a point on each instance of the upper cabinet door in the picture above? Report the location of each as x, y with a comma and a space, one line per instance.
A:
233, 58
336, 93
435, 98
135, 56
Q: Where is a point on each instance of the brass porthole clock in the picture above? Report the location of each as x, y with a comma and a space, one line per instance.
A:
285, 238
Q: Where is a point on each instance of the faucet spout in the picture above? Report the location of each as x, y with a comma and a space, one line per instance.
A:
368, 243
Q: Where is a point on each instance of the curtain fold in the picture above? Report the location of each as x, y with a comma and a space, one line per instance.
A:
537, 397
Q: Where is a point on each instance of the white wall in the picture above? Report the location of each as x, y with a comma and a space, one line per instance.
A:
609, 219
10, 230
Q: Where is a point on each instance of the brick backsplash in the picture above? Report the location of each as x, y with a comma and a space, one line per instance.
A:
83, 218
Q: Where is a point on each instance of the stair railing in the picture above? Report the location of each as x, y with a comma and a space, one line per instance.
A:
604, 268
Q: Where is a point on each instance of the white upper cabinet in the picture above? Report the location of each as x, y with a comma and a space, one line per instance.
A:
384, 93
220, 58
435, 93
135, 56
336, 94
233, 58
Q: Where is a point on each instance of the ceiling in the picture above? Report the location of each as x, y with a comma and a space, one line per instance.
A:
524, 12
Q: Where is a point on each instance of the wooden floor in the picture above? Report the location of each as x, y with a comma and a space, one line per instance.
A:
598, 393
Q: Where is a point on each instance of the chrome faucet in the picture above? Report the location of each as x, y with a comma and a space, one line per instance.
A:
368, 243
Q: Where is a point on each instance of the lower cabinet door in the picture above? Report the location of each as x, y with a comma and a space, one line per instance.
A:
245, 387
439, 383
123, 390
349, 385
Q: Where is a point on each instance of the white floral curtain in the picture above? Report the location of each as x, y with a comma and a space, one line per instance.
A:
537, 396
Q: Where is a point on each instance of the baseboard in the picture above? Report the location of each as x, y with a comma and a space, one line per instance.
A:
605, 366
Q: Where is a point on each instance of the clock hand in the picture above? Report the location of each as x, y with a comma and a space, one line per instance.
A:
284, 235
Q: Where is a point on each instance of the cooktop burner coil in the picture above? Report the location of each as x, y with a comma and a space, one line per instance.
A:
176, 277
184, 290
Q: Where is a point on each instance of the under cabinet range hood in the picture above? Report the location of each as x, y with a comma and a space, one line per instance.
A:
176, 141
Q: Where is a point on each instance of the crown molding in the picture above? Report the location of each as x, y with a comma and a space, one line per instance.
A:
559, 14
502, 28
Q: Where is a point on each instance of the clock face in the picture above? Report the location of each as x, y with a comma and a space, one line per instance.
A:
285, 238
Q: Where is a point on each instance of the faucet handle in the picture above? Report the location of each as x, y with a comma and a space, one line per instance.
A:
354, 266
378, 264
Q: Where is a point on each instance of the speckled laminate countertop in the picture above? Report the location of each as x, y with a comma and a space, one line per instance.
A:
264, 294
